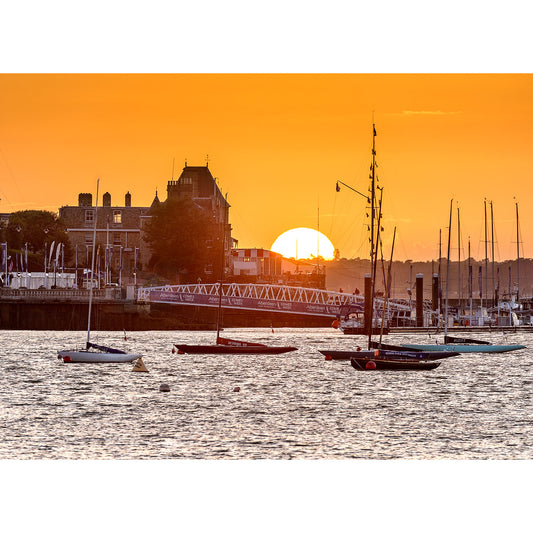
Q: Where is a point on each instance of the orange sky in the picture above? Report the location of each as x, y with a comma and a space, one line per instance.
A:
278, 143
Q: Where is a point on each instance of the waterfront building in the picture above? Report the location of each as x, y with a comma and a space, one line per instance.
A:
196, 183
120, 229
118, 234
257, 265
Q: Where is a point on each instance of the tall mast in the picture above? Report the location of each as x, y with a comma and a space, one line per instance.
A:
222, 267
92, 269
372, 198
492, 245
459, 261
439, 289
486, 260
387, 288
517, 258
448, 272
373, 256
470, 288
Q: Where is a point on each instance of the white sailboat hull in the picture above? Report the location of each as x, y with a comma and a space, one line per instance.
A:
85, 356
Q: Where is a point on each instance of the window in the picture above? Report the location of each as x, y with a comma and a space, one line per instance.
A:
89, 216
186, 180
117, 238
88, 238
117, 217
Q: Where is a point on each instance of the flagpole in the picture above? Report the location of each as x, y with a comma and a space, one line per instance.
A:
26, 259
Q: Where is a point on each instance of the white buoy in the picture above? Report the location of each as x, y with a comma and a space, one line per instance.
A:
164, 388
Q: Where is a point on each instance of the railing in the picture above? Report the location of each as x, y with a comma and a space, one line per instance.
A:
110, 293
275, 293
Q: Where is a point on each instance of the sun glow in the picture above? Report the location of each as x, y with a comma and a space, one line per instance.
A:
303, 243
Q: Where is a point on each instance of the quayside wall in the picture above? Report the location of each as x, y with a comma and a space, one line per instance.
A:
119, 315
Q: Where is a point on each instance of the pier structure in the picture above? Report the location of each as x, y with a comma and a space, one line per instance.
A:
259, 297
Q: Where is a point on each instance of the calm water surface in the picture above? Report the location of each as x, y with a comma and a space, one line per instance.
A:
290, 406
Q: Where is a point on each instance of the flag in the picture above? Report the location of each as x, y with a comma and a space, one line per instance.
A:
4, 255
337, 188
480, 284
58, 252
26, 255
136, 257
51, 252
374, 130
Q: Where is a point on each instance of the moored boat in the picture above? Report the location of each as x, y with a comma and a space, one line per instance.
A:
379, 359
242, 348
386, 363
413, 355
94, 353
465, 348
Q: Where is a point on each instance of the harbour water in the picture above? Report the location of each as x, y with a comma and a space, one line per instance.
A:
290, 406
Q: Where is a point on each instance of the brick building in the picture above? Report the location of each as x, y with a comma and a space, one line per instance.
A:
118, 229
199, 185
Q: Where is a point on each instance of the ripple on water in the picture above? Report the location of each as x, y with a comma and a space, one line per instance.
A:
290, 406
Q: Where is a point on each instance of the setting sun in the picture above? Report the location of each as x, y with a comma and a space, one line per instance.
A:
303, 243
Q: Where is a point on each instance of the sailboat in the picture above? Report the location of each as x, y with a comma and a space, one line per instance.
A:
229, 346
379, 358
456, 344
95, 353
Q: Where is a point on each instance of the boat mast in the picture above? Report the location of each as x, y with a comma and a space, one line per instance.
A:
492, 246
92, 268
470, 288
448, 273
458, 262
486, 263
387, 288
373, 257
517, 258
222, 265
439, 289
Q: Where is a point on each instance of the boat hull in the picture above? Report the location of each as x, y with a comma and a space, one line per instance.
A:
465, 348
226, 349
82, 356
346, 355
354, 330
392, 364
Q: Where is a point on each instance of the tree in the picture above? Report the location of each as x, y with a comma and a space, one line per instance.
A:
183, 240
36, 228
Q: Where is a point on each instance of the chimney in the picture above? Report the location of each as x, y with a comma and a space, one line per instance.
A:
85, 199
106, 201
127, 199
